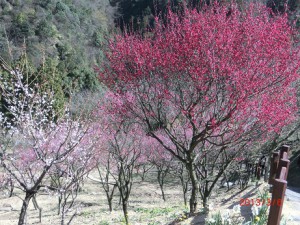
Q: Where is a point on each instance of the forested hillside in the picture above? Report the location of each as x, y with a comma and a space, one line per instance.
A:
69, 33
60, 41
139, 14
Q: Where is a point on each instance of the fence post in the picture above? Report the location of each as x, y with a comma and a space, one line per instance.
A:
283, 149
266, 169
276, 203
283, 163
273, 167
255, 170
278, 175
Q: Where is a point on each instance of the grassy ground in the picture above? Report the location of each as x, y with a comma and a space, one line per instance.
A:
146, 206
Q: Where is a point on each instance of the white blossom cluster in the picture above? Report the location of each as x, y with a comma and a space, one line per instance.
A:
27, 106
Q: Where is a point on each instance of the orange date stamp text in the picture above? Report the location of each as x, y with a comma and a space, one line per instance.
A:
260, 202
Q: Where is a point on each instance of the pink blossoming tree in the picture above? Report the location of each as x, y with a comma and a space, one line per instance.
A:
119, 153
203, 82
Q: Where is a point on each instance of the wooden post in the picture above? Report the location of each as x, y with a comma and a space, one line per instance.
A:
266, 169
258, 172
279, 168
284, 156
273, 167
255, 171
283, 149
277, 200
283, 163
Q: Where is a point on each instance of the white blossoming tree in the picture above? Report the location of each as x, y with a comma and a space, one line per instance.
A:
34, 140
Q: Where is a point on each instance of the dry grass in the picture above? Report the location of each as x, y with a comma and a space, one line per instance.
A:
146, 206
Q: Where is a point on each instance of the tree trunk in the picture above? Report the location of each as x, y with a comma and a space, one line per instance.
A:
125, 210
26, 201
110, 205
143, 173
36, 206
184, 199
195, 188
109, 200
59, 203
162, 192
11, 187
206, 194
160, 179
62, 220
63, 209
120, 200
184, 180
184, 186
109, 196
227, 181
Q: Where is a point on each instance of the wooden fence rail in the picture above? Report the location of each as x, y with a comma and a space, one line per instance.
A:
278, 175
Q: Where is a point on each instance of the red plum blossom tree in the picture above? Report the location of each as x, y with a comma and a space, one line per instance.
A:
206, 81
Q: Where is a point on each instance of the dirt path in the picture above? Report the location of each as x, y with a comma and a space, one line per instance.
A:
291, 207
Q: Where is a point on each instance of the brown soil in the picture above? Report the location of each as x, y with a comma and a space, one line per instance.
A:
146, 206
